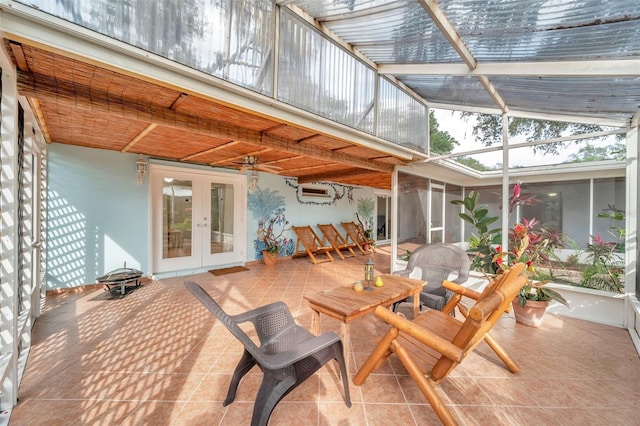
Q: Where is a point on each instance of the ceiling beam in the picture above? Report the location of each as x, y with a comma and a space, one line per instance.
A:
48, 89
210, 150
332, 176
617, 68
571, 118
236, 157
139, 137
441, 21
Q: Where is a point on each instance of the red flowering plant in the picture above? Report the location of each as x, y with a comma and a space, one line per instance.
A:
529, 246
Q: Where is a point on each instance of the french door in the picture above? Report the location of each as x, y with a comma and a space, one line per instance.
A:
198, 218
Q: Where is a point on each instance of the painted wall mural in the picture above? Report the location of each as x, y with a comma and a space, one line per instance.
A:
268, 208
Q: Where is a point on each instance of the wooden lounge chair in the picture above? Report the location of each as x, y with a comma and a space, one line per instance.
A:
357, 235
311, 244
337, 241
434, 343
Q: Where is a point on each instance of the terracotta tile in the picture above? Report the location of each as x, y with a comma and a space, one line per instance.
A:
198, 413
380, 388
212, 388
160, 358
385, 414
155, 413
333, 413
107, 412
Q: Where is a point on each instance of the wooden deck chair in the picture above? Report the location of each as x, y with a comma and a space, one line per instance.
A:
311, 244
434, 343
357, 236
455, 302
337, 241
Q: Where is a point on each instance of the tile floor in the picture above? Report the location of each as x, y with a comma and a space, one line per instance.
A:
157, 357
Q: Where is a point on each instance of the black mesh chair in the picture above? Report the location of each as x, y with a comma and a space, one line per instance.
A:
288, 354
437, 261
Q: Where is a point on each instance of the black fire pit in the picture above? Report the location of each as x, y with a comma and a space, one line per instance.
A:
120, 278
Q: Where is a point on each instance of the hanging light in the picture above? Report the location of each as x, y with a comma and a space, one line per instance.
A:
254, 181
142, 167
368, 271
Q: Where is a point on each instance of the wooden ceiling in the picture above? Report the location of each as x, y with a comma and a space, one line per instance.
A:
85, 104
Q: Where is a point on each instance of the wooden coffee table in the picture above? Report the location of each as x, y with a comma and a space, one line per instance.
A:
346, 305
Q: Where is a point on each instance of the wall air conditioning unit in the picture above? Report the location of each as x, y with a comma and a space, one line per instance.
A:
314, 191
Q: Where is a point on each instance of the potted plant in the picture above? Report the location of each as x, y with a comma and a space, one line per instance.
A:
483, 244
531, 247
272, 243
270, 254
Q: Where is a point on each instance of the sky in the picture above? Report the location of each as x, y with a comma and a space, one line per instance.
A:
462, 131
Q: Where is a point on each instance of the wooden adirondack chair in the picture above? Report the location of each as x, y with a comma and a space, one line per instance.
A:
357, 235
434, 343
311, 244
337, 241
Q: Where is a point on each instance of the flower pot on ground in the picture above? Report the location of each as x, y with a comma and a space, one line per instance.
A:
531, 314
270, 257
528, 246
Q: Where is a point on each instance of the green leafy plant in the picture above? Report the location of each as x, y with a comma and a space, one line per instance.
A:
616, 224
602, 273
483, 243
529, 246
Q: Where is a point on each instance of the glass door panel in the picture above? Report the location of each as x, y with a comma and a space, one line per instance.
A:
177, 218
222, 218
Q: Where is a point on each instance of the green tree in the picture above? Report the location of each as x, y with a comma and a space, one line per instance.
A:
589, 152
473, 163
488, 130
441, 142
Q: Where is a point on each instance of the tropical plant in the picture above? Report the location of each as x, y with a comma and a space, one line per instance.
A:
528, 246
616, 224
603, 272
483, 243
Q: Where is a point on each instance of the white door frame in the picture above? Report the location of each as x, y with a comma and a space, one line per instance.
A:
434, 229
199, 258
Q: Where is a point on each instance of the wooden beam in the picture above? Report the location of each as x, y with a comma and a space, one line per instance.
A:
209, 151
179, 101
37, 110
47, 88
139, 137
18, 53
332, 176
297, 169
235, 157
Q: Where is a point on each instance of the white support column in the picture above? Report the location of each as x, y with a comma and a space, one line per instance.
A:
394, 218
505, 182
9, 227
632, 223
591, 192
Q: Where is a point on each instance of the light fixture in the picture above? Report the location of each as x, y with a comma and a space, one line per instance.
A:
142, 167
254, 181
368, 271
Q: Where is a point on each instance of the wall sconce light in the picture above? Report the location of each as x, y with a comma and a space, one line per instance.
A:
254, 181
142, 167
368, 271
